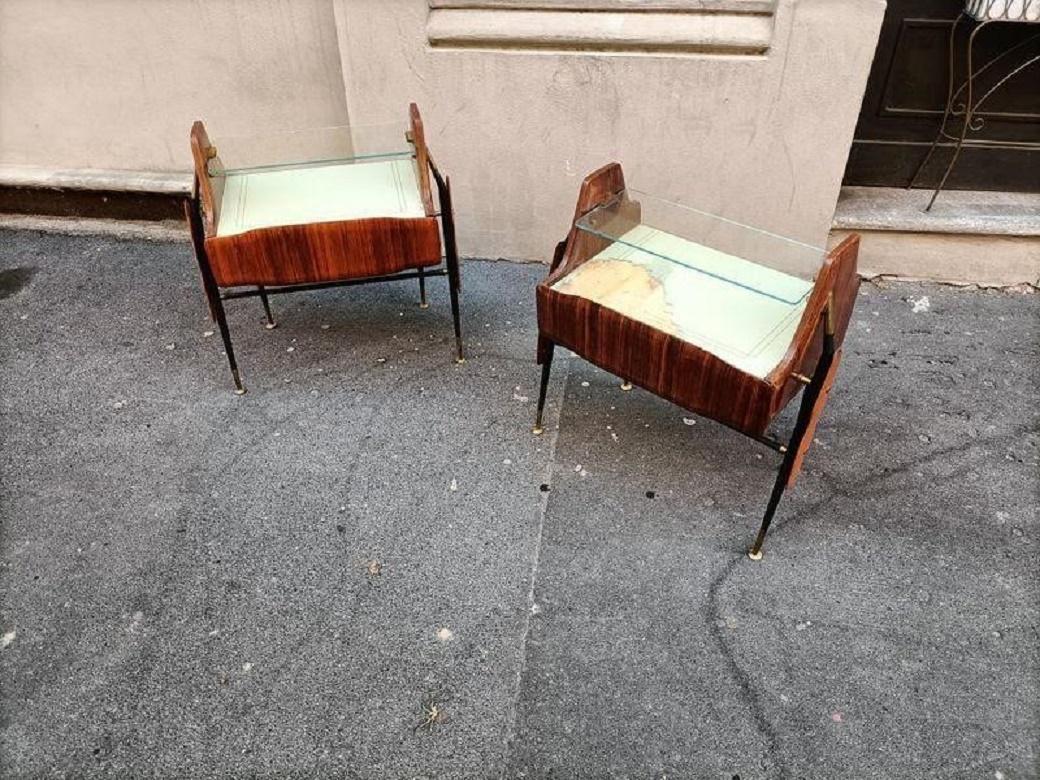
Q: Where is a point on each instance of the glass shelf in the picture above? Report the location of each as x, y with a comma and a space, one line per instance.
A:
728, 288
647, 228
286, 150
327, 174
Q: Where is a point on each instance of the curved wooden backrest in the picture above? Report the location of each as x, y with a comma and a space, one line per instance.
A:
422, 158
598, 188
202, 151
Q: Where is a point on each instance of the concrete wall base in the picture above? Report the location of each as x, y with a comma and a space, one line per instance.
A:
983, 260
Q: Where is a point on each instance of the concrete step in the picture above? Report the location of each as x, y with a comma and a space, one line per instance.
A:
87, 193
149, 230
984, 238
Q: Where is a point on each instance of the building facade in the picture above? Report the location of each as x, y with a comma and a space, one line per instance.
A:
742, 107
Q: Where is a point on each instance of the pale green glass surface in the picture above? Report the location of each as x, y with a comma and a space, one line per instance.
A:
333, 192
758, 261
324, 174
730, 289
747, 330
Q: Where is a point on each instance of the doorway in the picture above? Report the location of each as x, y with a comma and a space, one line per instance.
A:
906, 95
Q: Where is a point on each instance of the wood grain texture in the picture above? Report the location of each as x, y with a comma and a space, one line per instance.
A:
422, 158
209, 190
324, 251
668, 366
196, 230
814, 419
598, 188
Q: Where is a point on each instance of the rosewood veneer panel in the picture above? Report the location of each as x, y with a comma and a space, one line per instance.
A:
324, 251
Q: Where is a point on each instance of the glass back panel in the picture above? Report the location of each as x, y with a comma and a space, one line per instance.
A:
342, 144
649, 230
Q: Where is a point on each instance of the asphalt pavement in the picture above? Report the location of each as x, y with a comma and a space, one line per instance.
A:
368, 566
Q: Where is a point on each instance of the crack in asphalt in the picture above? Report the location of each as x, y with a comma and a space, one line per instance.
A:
535, 564
742, 677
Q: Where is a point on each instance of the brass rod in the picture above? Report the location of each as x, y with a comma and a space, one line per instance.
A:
772, 443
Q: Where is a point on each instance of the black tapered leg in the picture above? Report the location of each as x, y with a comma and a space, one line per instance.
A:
755, 553
271, 324
209, 285
422, 289
805, 411
452, 261
545, 352
460, 357
225, 335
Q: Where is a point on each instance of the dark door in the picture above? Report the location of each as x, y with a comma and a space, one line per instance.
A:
907, 92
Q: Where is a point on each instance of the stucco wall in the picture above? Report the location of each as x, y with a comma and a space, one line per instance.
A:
760, 137
117, 83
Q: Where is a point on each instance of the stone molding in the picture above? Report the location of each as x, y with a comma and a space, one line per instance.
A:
623, 26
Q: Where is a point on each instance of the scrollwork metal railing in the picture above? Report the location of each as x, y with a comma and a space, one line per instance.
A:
962, 103
1003, 10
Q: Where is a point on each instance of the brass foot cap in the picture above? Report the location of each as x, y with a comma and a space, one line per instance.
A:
626, 385
460, 360
755, 556
240, 391
537, 430
271, 325
424, 305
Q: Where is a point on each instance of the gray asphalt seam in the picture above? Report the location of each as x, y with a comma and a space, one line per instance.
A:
547, 475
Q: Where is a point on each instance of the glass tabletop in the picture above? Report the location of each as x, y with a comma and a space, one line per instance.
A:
649, 231
322, 146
